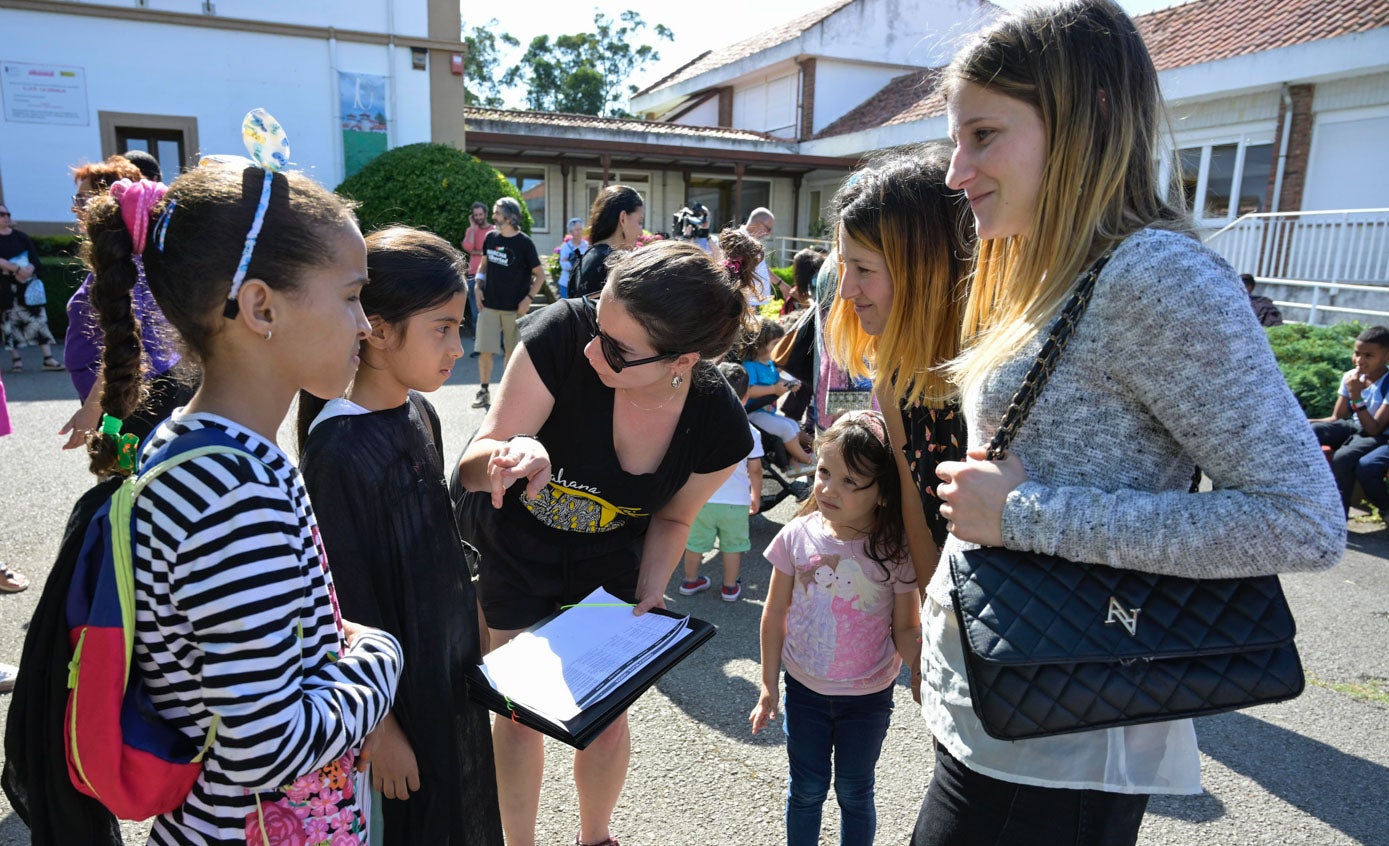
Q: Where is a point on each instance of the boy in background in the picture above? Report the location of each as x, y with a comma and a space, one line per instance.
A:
1355, 431
727, 513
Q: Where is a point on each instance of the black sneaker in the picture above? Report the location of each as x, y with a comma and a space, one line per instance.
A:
482, 400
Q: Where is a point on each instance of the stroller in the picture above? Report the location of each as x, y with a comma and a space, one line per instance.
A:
776, 485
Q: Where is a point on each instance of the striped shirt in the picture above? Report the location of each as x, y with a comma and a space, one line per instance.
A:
235, 617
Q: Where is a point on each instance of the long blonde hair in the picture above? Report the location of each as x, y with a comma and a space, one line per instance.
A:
899, 206
1083, 66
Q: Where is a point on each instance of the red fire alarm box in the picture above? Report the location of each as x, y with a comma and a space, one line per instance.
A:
456, 64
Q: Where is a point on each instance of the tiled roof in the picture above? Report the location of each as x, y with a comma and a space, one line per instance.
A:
1210, 30
1194, 33
909, 97
714, 59
573, 121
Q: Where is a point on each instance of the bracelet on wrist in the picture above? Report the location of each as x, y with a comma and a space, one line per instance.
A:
514, 437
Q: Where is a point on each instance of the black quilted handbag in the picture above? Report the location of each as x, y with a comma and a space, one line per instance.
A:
1055, 646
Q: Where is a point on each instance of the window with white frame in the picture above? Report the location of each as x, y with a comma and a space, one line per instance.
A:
593, 183
1227, 177
768, 106
531, 183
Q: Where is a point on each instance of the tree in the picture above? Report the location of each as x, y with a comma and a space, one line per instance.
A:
586, 72
481, 77
432, 186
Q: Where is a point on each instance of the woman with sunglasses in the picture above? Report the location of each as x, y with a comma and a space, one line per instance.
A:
610, 430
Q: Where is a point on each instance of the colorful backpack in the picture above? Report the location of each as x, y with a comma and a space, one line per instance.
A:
119, 751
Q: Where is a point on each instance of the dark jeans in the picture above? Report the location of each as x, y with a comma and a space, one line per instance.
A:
965, 808
1356, 457
850, 727
470, 307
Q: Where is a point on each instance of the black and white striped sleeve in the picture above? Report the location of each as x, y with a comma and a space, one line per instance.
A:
241, 581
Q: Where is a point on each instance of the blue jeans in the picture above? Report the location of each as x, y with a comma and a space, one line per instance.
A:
1357, 457
470, 307
850, 727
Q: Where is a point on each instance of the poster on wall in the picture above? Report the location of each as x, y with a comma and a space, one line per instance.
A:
44, 93
363, 104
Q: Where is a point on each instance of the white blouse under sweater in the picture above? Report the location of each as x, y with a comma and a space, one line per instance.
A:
1166, 371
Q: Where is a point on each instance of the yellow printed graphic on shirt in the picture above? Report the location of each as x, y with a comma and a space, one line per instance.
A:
571, 509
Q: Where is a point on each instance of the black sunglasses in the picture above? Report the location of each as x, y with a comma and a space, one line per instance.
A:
612, 353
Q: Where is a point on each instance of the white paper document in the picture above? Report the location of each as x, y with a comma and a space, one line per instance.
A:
580, 656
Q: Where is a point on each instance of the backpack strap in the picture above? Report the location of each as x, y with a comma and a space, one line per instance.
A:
183, 448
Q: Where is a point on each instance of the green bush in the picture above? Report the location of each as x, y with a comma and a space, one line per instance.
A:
56, 245
430, 186
1313, 359
61, 277
785, 274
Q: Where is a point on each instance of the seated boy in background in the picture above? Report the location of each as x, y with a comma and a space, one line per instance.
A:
728, 511
1355, 431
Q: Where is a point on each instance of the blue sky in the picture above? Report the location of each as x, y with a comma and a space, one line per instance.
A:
699, 25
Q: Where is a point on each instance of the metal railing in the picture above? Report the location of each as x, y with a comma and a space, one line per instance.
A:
1332, 254
788, 247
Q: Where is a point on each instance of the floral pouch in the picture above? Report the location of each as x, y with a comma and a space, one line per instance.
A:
318, 809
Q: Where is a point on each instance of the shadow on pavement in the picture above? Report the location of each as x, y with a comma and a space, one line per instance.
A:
1343, 791
706, 686
1195, 809
13, 829
1374, 543
34, 385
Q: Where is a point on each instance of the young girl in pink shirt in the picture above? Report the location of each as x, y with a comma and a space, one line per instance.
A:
842, 616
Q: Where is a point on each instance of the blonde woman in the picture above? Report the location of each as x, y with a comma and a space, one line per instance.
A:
1056, 115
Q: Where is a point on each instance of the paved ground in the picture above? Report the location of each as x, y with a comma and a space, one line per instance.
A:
1311, 771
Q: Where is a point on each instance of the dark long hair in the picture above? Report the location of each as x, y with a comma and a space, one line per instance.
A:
867, 450
686, 300
408, 271
189, 267
608, 208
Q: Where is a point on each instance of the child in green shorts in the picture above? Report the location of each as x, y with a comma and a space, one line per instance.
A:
725, 516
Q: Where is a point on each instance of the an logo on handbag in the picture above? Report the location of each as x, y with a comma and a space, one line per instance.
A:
1128, 618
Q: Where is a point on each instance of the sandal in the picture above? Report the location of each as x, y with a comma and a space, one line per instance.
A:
52, 363
611, 841
11, 581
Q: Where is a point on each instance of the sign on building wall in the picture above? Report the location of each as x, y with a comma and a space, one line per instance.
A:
44, 93
363, 98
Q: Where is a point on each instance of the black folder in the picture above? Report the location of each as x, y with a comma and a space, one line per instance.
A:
580, 731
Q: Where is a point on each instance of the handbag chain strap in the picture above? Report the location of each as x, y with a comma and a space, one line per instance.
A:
1057, 337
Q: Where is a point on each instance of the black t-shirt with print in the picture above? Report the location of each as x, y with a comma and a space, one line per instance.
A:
592, 505
510, 261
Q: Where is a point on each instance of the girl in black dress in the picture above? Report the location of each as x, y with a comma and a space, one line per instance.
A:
372, 465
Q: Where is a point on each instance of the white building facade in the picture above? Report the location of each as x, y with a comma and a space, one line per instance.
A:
85, 80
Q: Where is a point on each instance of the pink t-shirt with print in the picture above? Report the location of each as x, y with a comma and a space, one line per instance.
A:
839, 625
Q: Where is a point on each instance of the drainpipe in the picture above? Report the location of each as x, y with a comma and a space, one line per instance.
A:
800, 99
390, 74
1283, 147
339, 154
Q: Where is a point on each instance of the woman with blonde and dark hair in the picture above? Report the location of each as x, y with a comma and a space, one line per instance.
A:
1058, 122
903, 250
614, 223
611, 430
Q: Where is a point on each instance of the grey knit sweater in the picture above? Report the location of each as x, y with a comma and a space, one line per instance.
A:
1167, 370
